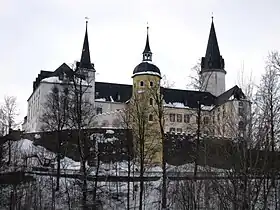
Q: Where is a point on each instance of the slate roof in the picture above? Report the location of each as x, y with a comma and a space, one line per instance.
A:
213, 58
235, 91
122, 93
85, 57
64, 68
188, 97
146, 67
147, 46
119, 92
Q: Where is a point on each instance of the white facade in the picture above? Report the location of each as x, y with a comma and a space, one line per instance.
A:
39, 97
214, 81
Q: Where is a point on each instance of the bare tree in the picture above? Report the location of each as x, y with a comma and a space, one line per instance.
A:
8, 113
55, 118
145, 132
81, 116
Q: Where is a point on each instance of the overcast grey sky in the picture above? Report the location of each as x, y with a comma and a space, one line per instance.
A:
41, 35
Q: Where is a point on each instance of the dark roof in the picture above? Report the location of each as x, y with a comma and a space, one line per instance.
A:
147, 47
188, 97
213, 58
85, 58
119, 92
64, 68
235, 91
146, 67
122, 93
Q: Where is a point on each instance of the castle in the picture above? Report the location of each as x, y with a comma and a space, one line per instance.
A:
219, 109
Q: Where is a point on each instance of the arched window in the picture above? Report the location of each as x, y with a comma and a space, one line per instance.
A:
151, 84
141, 83
151, 118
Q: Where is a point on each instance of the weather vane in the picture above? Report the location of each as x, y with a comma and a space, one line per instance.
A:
86, 18
147, 27
212, 16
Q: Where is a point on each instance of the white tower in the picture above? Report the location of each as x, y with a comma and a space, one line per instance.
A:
212, 73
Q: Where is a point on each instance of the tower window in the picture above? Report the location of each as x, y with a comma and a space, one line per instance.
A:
141, 83
151, 84
151, 118
151, 101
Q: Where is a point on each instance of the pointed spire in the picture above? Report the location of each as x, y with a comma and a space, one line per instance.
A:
147, 54
85, 58
212, 47
213, 58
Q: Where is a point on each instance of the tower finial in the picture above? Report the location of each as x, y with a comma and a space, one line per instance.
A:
147, 54
212, 16
86, 18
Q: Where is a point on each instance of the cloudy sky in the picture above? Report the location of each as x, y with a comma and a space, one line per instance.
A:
41, 35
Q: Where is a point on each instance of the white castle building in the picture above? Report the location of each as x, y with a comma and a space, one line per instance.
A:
218, 107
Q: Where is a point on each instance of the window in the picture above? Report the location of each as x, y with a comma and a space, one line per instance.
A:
151, 101
141, 83
179, 130
186, 118
151, 84
205, 120
151, 118
179, 118
240, 103
171, 130
172, 117
218, 117
241, 126
99, 110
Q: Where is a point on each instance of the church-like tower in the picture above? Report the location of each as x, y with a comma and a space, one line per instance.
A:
146, 74
86, 68
146, 88
212, 75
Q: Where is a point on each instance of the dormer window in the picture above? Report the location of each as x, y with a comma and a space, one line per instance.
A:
141, 83
60, 76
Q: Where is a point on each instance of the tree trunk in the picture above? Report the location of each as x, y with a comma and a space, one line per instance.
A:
141, 175
58, 159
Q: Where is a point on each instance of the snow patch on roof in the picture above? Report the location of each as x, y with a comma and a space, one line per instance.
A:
100, 99
147, 72
176, 105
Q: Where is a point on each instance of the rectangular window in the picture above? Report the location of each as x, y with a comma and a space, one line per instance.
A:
99, 110
172, 117
171, 130
218, 117
151, 101
179, 130
205, 120
179, 118
151, 118
240, 111
186, 118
